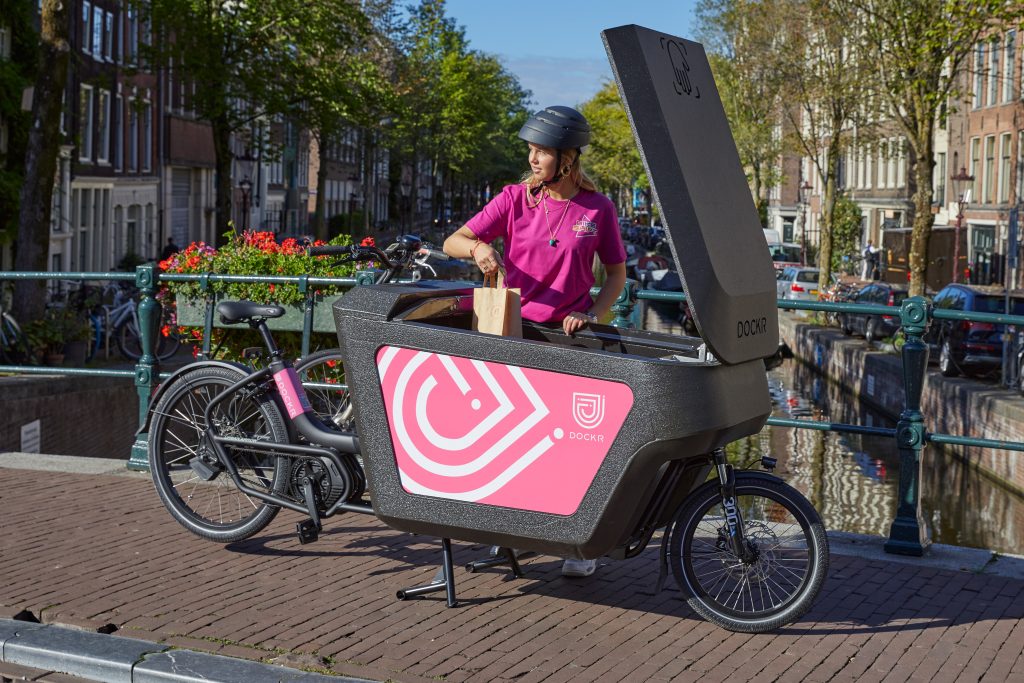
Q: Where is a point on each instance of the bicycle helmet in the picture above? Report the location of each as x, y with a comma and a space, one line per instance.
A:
557, 127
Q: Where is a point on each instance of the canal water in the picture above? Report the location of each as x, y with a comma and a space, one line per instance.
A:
852, 479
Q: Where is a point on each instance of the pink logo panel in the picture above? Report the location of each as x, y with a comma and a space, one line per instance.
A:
497, 434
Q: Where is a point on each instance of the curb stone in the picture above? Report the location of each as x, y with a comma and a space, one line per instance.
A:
115, 659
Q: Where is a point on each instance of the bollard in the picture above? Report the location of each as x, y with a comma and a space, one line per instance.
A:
623, 306
147, 370
907, 535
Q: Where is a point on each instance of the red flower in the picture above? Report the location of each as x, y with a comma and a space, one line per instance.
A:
368, 242
271, 287
166, 330
331, 363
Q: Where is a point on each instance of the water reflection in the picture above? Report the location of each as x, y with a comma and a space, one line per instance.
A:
852, 479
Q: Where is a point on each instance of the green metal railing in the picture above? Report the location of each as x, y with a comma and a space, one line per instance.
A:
907, 532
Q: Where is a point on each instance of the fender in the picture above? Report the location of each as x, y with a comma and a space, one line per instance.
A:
155, 398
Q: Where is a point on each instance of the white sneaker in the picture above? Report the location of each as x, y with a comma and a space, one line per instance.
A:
578, 568
496, 550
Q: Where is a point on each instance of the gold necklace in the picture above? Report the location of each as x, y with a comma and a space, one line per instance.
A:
553, 242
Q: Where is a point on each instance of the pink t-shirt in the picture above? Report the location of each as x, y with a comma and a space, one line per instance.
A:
554, 281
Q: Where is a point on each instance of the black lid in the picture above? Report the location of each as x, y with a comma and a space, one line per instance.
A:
712, 226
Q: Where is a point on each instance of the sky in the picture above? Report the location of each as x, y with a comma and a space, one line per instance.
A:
555, 48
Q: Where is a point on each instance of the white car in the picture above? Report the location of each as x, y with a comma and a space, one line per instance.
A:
797, 283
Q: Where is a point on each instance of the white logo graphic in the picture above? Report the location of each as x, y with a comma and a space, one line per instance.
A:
587, 409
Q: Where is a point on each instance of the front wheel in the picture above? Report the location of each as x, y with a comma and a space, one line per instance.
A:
786, 567
192, 483
947, 366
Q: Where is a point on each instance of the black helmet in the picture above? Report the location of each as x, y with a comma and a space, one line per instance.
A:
557, 127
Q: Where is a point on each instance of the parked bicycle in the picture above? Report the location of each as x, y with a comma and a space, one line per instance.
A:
113, 313
14, 347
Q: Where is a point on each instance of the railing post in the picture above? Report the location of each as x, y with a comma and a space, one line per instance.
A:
307, 313
907, 535
210, 301
623, 306
147, 370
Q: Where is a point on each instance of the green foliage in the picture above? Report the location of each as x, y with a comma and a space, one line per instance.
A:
612, 159
16, 74
846, 229
253, 253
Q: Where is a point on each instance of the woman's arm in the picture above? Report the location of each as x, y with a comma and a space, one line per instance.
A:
463, 243
614, 281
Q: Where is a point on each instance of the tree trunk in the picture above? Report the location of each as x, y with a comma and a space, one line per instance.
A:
223, 158
923, 218
828, 211
41, 154
319, 220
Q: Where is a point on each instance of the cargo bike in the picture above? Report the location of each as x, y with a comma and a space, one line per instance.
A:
578, 446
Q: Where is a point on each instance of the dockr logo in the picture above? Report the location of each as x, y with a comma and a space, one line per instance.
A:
749, 328
587, 409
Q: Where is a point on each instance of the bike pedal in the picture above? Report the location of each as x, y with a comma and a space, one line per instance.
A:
308, 531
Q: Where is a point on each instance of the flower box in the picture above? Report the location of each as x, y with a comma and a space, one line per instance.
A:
192, 313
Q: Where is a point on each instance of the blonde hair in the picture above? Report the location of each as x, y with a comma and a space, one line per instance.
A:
571, 168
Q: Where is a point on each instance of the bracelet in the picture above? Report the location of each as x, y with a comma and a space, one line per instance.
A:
589, 316
472, 249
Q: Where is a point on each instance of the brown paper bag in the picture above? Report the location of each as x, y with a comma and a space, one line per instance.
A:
497, 309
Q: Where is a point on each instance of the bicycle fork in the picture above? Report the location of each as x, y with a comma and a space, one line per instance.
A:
733, 517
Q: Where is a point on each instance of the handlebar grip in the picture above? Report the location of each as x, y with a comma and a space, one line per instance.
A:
434, 253
331, 250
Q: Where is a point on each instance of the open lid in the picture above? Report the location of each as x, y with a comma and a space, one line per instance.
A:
711, 223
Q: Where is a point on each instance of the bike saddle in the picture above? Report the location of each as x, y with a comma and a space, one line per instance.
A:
232, 312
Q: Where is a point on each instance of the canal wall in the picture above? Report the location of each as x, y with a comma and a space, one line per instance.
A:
950, 405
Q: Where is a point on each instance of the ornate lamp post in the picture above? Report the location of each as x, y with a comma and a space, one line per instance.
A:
963, 198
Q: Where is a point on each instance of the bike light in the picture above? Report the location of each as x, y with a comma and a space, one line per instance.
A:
796, 288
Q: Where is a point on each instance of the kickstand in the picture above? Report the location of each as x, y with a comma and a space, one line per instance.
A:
506, 556
447, 582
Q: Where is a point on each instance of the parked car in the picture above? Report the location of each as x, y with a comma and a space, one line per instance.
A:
969, 346
797, 283
874, 327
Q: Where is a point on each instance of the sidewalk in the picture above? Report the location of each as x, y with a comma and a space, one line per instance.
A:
97, 551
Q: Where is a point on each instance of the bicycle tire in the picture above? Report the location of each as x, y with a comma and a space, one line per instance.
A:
129, 342
706, 567
216, 509
13, 342
318, 370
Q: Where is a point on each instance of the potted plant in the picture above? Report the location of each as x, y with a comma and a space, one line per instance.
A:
51, 335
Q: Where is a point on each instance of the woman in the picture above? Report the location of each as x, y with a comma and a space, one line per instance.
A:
553, 223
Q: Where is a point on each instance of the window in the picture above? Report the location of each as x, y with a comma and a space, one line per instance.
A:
901, 162
939, 180
883, 148
988, 185
891, 163
975, 165
979, 73
993, 73
1009, 55
131, 36
147, 135
103, 126
85, 124
1020, 165
3, 137
133, 137
1004, 168
97, 32
118, 125
5, 42
86, 29
868, 170
108, 37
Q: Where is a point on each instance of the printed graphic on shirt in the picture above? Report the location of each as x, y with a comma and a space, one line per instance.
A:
585, 228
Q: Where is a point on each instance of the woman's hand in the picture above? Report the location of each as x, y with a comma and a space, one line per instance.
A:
575, 322
486, 258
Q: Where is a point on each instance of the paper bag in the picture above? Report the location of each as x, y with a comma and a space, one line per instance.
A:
497, 309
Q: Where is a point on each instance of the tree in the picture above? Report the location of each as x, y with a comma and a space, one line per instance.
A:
829, 86
42, 149
16, 74
612, 160
740, 37
846, 223
919, 48
248, 61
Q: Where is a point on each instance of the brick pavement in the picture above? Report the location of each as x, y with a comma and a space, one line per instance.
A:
99, 551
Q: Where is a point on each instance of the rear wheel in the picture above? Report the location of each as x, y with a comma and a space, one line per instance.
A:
189, 477
129, 341
871, 331
788, 560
